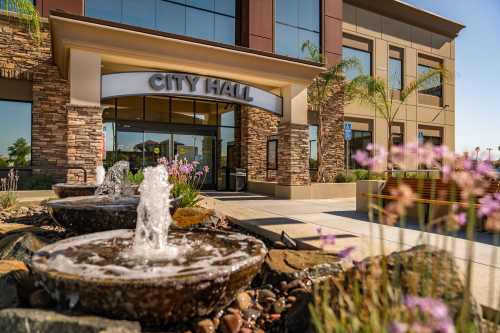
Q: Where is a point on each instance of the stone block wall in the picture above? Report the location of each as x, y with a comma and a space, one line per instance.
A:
293, 154
332, 140
58, 138
257, 126
85, 140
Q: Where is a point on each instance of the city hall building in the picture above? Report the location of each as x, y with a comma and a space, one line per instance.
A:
223, 82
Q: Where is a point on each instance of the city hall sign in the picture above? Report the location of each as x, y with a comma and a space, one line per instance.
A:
188, 85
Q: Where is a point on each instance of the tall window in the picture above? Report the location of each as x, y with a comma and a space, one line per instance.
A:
213, 20
272, 153
360, 49
297, 21
12, 7
395, 69
431, 92
313, 147
15, 134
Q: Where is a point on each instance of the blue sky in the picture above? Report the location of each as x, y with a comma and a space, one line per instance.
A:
478, 70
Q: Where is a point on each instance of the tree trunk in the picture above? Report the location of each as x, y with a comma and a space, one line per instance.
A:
389, 145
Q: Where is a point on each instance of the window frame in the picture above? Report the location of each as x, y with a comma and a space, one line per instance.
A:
368, 52
320, 29
430, 99
269, 141
31, 133
401, 59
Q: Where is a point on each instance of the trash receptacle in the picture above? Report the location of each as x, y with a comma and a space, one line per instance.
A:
238, 180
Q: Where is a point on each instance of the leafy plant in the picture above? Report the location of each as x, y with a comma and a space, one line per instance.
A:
37, 182
27, 13
375, 93
419, 290
187, 179
324, 89
8, 185
136, 178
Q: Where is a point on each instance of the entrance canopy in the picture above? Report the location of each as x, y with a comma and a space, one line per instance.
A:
181, 84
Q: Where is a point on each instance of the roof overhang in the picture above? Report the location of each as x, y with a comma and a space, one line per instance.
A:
404, 12
136, 47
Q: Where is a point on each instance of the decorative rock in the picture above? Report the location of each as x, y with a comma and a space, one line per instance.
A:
246, 330
289, 265
279, 306
205, 326
294, 285
195, 216
41, 321
12, 274
231, 323
40, 299
266, 295
251, 314
244, 301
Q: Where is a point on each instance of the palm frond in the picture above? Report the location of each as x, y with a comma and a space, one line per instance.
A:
422, 79
28, 15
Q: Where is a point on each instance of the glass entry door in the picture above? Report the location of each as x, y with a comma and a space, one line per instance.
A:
143, 149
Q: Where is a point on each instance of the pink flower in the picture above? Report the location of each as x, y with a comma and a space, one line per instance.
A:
205, 169
397, 327
345, 253
405, 199
327, 240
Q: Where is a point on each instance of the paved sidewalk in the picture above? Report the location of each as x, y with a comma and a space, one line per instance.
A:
300, 219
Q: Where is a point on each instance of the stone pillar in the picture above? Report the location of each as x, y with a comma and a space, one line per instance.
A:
332, 138
85, 141
293, 138
293, 154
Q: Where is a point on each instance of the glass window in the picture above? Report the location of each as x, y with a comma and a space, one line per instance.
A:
224, 31
130, 147
364, 58
108, 112
397, 139
157, 109
227, 114
171, 17
359, 141
130, 108
182, 111
15, 134
272, 154
156, 145
139, 13
200, 24
108, 129
313, 147
297, 21
213, 20
395, 74
432, 86
107, 10
206, 113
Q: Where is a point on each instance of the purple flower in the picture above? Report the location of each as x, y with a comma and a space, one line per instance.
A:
489, 205
205, 169
318, 230
184, 169
327, 240
346, 252
461, 219
397, 327
362, 157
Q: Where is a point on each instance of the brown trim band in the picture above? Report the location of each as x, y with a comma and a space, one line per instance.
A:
86, 19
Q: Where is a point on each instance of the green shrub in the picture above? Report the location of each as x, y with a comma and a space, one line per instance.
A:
8, 200
188, 195
136, 178
37, 182
343, 178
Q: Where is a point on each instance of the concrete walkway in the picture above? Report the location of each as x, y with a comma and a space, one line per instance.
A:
301, 218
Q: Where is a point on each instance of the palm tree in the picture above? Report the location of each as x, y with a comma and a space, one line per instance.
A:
375, 92
324, 89
27, 13
19, 151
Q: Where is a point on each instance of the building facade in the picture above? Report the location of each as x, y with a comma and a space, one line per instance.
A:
223, 82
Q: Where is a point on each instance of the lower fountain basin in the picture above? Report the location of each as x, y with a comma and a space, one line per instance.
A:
98, 274
65, 190
94, 213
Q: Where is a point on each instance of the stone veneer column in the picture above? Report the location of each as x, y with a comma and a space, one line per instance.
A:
332, 121
85, 140
293, 154
256, 128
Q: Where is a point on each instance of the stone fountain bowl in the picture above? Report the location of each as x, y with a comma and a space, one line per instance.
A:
65, 190
93, 273
94, 213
